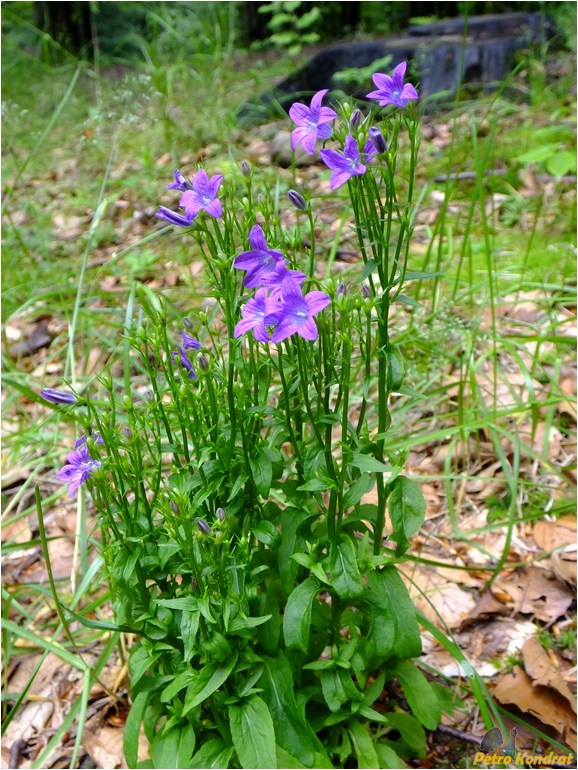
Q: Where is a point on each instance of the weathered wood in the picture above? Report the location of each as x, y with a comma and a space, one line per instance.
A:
442, 58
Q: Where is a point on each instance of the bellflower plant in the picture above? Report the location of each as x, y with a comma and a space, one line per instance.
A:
251, 505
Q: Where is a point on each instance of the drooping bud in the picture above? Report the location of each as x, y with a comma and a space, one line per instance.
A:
365, 291
203, 363
187, 323
245, 167
377, 139
220, 514
174, 507
203, 527
58, 396
297, 200
190, 342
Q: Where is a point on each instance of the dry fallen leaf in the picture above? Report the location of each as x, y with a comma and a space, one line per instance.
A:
545, 704
539, 666
555, 534
443, 603
104, 746
534, 592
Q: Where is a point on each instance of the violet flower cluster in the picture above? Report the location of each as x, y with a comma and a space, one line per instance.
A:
279, 308
313, 123
279, 303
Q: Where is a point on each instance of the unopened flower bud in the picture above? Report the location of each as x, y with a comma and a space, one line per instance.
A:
297, 200
220, 514
245, 167
203, 363
174, 507
365, 291
341, 290
187, 323
127, 432
356, 117
377, 139
203, 527
58, 396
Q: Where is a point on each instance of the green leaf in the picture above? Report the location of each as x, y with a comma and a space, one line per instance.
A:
131, 733
241, 624
406, 505
293, 732
412, 733
209, 680
290, 543
212, 754
561, 163
355, 491
179, 683
141, 660
297, 617
239, 483
308, 18
269, 633
262, 471
363, 745
388, 759
345, 575
420, 696
372, 693
395, 368
371, 264
173, 749
266, 532
253, 733
286, 760
320, 484
394, 631
368, 464
538, 154
332, 689
182, 603
189, 629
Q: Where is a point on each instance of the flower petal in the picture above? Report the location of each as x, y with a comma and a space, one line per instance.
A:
317, 99
339, 177
308, 143
299, 113
214, 184
257, 238
284, 329
215, 208
334, 159
316, 301
398, 73
308, 330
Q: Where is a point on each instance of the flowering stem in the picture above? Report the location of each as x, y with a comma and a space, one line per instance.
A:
311, 268
294, 443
